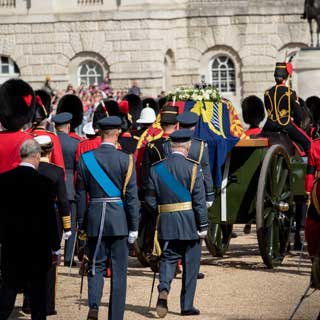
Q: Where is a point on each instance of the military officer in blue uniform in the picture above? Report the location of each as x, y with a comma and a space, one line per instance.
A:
199, 153
108, 176
176, 190
69, 147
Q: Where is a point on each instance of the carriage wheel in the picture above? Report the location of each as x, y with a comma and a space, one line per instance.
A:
274, 207
218, 238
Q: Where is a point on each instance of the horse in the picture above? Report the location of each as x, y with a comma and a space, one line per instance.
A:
312, 12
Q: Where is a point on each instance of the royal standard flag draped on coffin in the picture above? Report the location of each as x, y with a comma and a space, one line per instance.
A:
218, 125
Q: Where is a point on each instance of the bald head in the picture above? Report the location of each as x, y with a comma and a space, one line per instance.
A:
30, 152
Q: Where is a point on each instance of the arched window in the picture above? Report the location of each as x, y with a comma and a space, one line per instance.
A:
222, 71
90, 72
8, 66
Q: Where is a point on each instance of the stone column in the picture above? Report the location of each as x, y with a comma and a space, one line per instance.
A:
306, 77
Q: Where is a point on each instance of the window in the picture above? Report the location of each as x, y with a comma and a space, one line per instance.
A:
88, 2
8, 3
223, 74
8, 66
89, 73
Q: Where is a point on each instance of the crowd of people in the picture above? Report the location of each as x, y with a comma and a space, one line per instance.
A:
140, 157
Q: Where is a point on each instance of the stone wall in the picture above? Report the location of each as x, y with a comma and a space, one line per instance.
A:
134, 43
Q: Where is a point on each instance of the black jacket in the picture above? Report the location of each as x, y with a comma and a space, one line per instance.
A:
28, 231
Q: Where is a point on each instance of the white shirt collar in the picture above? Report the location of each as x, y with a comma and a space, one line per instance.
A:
109, 144
178, 152
27, 164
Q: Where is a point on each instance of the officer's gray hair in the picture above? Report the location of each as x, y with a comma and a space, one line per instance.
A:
29, 148
181, 145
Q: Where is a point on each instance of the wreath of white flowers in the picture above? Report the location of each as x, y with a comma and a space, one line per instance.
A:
196, 94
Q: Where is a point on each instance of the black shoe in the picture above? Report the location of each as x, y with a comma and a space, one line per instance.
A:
200, 275
247, 229
162, 304
92, 314
67, 264
233, 235
191, 312
26, 309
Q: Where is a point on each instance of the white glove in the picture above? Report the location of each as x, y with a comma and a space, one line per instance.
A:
209, 204
133, 236
66, 235
202, 234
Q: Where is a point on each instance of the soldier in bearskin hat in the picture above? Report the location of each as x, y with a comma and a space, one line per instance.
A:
17, 107
283, 109
127, 142
135, 106
253, 113
39, 126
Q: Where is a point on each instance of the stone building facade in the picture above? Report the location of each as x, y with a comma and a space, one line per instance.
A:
161, 43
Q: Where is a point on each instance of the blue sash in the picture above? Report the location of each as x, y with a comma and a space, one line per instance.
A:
101, 177
172, 183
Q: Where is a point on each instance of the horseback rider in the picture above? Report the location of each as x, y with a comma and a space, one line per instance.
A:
283, 108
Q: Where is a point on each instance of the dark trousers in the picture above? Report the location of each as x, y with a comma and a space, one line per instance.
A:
69, 244
190, 254
36, 289
295, 133
50, 291
116, 249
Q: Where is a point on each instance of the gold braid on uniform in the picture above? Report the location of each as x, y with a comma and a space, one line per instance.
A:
193, 177
128, 176
66, 222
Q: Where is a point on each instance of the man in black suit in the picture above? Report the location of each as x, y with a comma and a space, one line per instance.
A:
56, 175
28, 233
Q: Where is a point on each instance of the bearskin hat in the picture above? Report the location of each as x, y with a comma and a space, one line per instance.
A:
313, 104
105, 108
17, 104
135, 106
43, 106
71, 103
253, 111
161, 102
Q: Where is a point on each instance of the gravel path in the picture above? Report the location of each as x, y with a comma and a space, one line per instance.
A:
237, 286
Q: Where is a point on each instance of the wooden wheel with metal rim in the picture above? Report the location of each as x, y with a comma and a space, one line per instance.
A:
274, 206
218, 238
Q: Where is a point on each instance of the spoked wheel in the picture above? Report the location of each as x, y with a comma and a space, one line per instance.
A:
218, 238
274, 207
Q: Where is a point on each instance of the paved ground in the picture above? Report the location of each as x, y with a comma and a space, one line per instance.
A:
235, 287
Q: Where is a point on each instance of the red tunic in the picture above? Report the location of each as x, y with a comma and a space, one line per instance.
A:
76, 136
87, 145
10, 143
313, 164
56, 155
